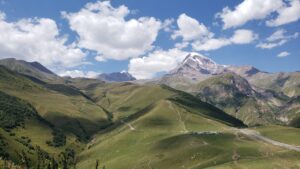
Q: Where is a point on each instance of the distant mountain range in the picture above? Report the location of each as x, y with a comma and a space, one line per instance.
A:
37, 70
116, 77
254, 96
196, 112
251, 95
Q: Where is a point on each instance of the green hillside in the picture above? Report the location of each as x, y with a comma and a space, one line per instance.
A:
170, 136
63, 106
24, 134
85, 122
123, 100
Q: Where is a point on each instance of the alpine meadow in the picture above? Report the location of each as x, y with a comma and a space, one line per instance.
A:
107, 84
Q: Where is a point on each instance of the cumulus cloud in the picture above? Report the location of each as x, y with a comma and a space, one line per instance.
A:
201, 39
278, 38
241, 36
286, 14
106, 30
157, 61
211, 44
79, 73
37, 39
283, 54
190, 29
248, 10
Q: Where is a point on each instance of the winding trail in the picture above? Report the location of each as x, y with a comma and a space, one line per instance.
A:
257, 136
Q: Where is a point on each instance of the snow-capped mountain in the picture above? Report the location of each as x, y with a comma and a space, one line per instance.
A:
196, 68
197, 64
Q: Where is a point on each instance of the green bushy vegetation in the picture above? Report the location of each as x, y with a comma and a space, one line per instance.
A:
14, 111
59, 139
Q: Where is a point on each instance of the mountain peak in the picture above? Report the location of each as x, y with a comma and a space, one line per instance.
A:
33, 69
199, 61
195, 63
116, 76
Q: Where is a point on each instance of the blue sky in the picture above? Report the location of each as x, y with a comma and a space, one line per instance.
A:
73, 38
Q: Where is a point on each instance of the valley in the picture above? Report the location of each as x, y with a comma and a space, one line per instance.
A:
220, 121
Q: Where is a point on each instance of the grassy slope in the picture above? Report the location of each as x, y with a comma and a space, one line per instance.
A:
157, 128
283, 134
126, 99
20, 120
163, 138
70, 110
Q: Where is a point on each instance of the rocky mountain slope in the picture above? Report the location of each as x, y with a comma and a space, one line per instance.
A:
116, 77
254, 96
32, 69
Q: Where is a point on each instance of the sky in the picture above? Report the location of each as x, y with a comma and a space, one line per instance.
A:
150, 37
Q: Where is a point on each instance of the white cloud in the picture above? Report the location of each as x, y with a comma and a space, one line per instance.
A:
182, 45
210, 44
277, 35
157, 61
79, 73
190, 29
283, 54
100, 58
105, 29
167, 25
241, 36
39, 40
278, 38
271, 45
248, 10
201, 39
286, 14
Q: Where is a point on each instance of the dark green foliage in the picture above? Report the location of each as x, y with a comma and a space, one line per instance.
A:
42, 157
295, 122
3, 153
14, 111
25, 160
25, 141
59, 139
68, 159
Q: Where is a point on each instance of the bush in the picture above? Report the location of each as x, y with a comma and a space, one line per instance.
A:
14, 111
59, 139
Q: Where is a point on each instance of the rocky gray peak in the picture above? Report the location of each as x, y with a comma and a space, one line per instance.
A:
245, 71
15, 64
116, 76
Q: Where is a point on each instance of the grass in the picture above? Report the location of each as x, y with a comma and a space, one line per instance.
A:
165, 137
134, 126
282, 160
61, 109
288, 135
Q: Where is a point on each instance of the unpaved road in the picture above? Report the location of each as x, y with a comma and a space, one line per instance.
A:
257, 136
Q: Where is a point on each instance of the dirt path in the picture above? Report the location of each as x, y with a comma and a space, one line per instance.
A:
179, 117
257, 136
129, 125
